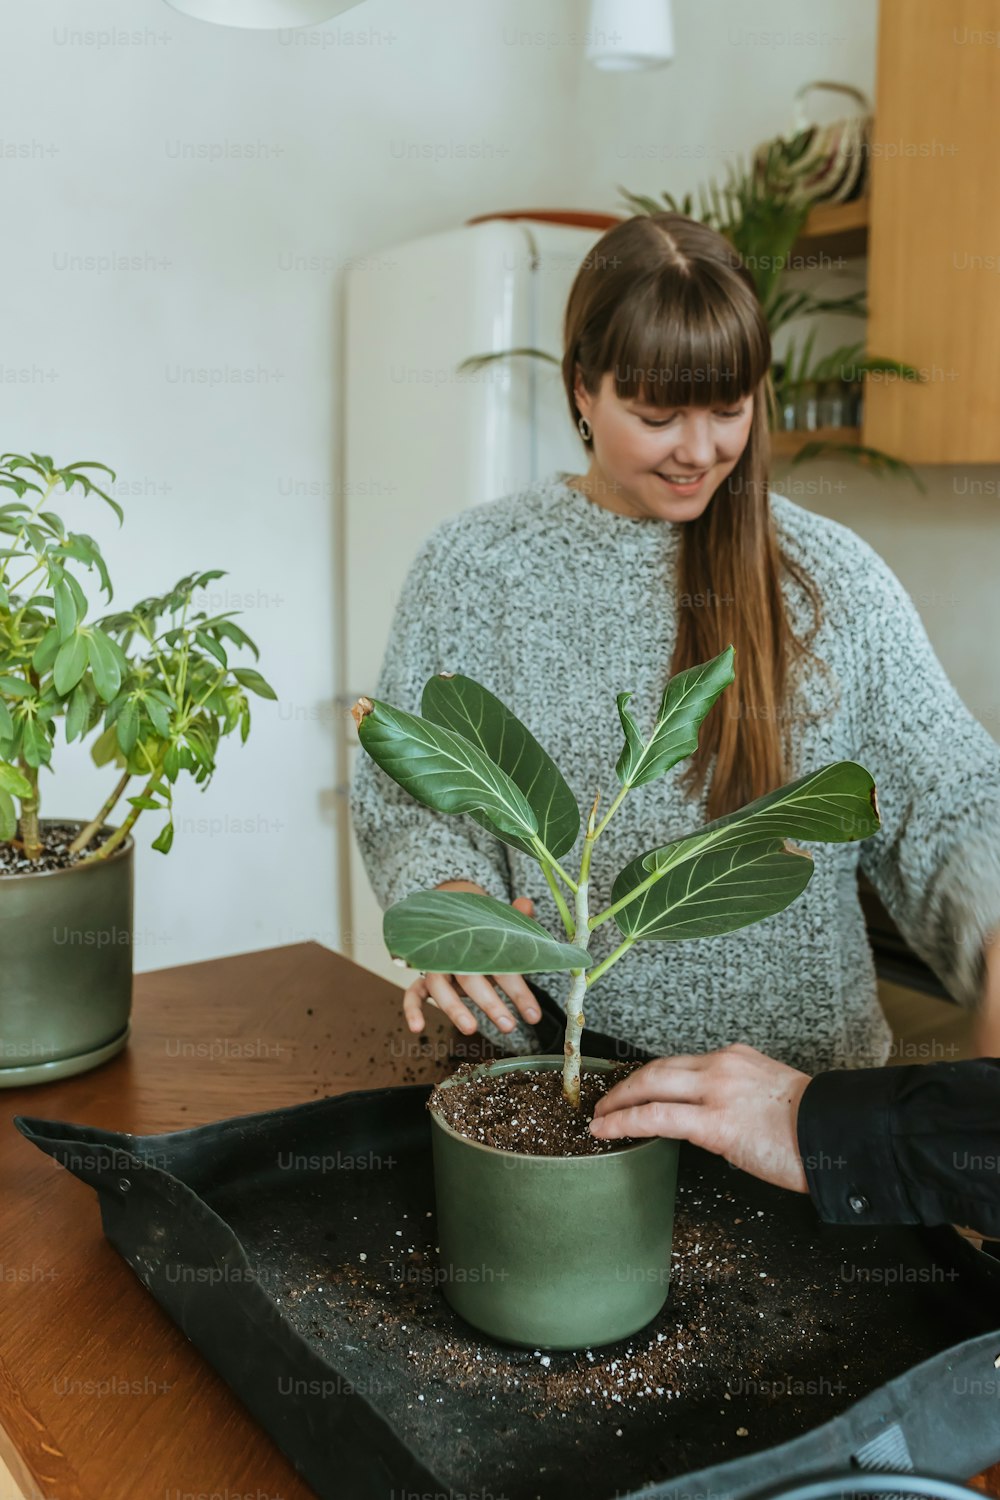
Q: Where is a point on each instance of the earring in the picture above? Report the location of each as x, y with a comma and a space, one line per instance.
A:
585, 429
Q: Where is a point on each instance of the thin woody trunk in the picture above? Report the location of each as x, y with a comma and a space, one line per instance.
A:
29, 830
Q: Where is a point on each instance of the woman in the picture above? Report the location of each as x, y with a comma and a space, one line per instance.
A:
664, 551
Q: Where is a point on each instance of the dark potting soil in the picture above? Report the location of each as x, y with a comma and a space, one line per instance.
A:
774, 1324
56, 839
527, 1111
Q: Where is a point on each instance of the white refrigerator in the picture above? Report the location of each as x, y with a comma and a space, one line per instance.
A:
422, 440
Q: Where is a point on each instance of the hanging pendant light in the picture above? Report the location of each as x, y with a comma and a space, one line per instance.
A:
626, 35
263, 15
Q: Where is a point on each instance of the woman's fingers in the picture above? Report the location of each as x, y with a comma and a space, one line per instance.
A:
441, 990
520, 992
412, 1007
480, 989
680, 1121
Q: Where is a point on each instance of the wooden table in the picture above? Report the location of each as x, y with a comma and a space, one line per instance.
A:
101, 1396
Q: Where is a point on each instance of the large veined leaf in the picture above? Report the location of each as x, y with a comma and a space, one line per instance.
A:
442, 769
718, 892
836, 804
459, 932
686, 700
465, 706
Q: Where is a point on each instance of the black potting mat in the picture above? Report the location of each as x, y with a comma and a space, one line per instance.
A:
297, 1250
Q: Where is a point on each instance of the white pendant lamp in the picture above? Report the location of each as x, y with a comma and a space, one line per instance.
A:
263, 15
626, 35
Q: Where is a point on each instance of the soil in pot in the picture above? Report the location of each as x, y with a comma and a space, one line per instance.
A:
526, 1111
55, 839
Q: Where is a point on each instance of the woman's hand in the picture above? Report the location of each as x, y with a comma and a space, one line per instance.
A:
736, 1102
449, 991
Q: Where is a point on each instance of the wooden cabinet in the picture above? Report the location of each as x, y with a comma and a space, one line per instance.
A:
934, 231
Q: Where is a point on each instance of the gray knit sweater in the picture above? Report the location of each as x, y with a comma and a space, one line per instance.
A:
556, 605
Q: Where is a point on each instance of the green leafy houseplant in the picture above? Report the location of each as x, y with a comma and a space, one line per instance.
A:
468, 753
156, 677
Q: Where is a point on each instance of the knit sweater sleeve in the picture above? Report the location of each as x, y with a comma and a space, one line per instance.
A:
935, 861
406, 846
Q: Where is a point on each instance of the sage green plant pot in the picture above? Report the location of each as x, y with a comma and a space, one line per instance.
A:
66, 967
553, 1252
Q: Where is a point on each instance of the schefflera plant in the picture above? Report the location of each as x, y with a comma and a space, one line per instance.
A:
157, 676
468, 753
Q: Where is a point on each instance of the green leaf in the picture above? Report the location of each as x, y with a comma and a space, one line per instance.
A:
65, 608
460, 704
15, 687
248, 678
686, 701
146, 803
11, 780
459, 932
159, 716
231, 632
444, 771
172, 762
206, 642
104, 663
78, 711
164, 838
6, 722
127, 725
836, 804
79, 597
105, 748
8, 815
46, 651
718, 891
70, 663
37, 748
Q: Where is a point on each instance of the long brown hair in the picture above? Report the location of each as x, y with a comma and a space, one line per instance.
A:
667, 305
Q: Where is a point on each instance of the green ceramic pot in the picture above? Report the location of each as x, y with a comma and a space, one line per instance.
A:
66, 971
553, 1252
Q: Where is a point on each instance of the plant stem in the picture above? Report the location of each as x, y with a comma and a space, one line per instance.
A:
546, 858
616, 804
121, 833
574, 1006
612, 958
559, 899
85, 835
603, 916
31, 841
574, 1001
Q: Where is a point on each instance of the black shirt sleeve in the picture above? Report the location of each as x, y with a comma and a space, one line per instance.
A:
907, 1145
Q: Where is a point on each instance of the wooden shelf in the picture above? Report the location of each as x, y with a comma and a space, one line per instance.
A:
786, 444
835, 230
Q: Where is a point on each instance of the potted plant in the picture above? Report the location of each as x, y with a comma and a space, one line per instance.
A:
157, 679
569, 1250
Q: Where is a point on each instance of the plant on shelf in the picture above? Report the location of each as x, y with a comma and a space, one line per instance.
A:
157, 677
468, 753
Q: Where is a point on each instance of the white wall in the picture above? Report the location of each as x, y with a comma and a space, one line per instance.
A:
124, 130
110, 115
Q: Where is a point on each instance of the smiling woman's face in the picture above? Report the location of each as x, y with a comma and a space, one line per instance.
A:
635, 445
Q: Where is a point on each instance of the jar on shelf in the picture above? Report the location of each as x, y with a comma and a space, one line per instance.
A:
807, 406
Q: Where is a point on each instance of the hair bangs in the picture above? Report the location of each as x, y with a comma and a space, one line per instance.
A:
678, 342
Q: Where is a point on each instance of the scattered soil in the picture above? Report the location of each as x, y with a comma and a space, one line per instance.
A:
526, 1111
56, 839
773, 1325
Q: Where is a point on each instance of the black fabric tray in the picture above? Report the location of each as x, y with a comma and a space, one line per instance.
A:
295, 1248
